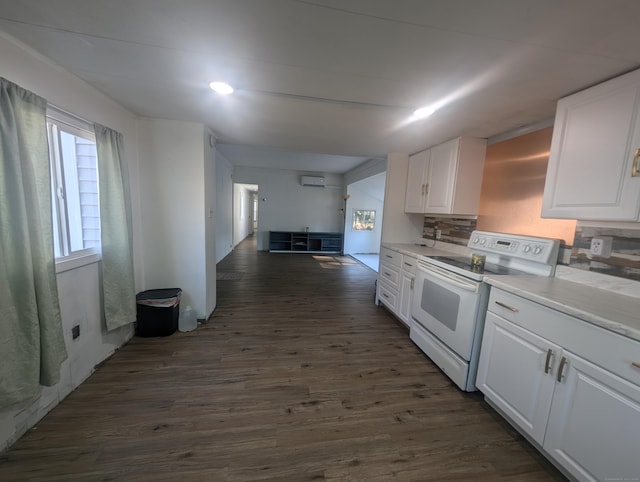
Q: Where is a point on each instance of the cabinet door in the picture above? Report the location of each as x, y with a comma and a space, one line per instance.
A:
406, 293
442, 177
594, 423
595, 136
515, 373
416, 182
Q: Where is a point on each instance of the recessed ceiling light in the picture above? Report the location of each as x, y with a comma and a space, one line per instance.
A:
423, 112
221, 88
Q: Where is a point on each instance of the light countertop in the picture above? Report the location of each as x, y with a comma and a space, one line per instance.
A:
612, 311
429, 249
606, 308
602, 307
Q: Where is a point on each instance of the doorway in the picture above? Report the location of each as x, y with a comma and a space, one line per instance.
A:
363, 219
245, 211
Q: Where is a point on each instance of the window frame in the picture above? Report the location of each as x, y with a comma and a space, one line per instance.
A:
58, 120
354, 217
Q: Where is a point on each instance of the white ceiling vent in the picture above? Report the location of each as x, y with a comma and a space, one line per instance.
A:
317, 181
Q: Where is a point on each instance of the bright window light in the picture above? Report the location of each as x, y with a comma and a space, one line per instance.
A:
221, 88
363, 220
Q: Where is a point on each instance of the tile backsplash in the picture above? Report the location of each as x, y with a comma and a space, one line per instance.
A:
511, 199
624, 261
453, 230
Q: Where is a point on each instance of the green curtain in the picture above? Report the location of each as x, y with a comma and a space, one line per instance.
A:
118, 290
31, 340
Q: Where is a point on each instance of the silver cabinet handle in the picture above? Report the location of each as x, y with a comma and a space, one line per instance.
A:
547, 365
510, 308
385, 295
635, 364
408, 264
634, 167
413, 280
389, 256
563, 362
387, 274
426, 189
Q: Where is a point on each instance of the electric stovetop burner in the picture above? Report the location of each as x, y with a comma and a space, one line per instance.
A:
464, 262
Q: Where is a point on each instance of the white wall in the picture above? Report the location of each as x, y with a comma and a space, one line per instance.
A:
209, 221
362, 241
224, 207
79, 290
173, 202
285, 205
397, 226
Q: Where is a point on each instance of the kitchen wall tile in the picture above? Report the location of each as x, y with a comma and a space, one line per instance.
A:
624, 261
454, 230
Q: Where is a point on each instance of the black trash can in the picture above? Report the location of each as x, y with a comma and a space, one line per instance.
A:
158, 311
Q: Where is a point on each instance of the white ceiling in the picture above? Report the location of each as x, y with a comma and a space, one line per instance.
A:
271, 158
337, 77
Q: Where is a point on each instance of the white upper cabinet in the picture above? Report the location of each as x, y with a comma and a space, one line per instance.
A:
592, 172
417, 175
447, 178
442, 177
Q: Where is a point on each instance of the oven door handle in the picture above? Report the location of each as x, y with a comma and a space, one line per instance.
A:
448, 278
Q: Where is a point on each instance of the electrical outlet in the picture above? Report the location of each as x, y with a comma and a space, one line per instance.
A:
601, 246
75, 331
438, 233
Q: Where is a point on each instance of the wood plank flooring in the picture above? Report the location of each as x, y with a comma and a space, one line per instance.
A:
298, 376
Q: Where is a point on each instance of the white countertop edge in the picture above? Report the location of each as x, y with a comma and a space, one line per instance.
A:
428, 248
602, 300
611, 311
601, 281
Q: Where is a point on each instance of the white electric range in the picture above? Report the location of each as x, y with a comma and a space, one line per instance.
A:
450, 298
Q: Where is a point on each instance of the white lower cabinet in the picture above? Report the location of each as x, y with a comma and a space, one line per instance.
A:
407, 280
594, 423
389, 278
388, 296
396, 277
570, 387
522, 390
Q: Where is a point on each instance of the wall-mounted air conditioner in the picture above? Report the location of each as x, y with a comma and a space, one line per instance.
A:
317, 181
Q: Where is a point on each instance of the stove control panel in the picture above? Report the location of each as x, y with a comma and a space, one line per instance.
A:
540, 250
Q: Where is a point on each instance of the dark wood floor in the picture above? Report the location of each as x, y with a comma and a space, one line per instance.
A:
297, 377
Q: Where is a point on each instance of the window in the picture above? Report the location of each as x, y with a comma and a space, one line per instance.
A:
74, 183
363, 220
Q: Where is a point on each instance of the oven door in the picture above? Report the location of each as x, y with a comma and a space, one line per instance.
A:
446, 304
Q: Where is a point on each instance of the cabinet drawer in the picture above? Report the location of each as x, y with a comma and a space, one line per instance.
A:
391, 257
390, 274
388, 296
607, 349
409, 264
513, 308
